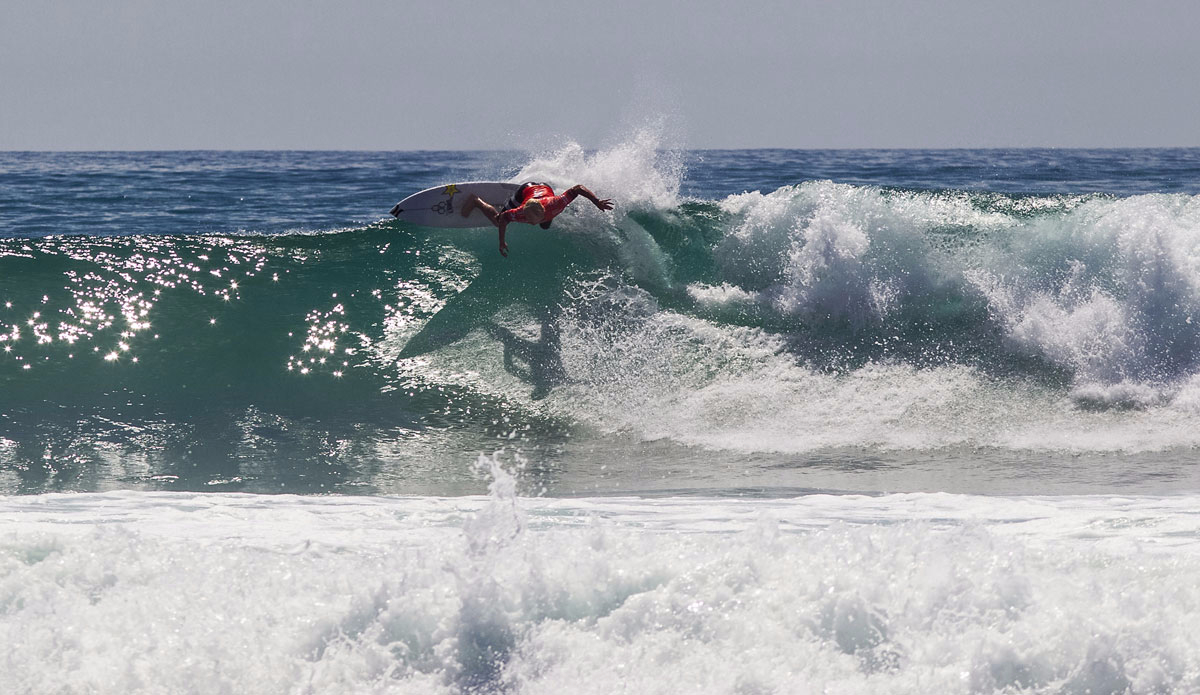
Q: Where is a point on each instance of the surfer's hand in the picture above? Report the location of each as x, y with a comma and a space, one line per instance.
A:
504, 250
605, 204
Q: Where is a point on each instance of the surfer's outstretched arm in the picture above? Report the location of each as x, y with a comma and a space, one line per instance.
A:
579, 189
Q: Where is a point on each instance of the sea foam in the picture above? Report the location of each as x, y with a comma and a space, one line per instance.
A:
142, 593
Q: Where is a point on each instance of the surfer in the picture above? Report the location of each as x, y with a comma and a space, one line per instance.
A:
533, 203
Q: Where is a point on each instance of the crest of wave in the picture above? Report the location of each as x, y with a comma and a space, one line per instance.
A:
634, 172
826, 251
1110, 291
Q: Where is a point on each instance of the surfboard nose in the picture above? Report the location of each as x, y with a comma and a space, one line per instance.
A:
397, 210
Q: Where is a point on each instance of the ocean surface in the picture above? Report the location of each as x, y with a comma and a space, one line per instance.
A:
782, 422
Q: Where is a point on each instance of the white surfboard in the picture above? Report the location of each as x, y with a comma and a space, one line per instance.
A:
441, 206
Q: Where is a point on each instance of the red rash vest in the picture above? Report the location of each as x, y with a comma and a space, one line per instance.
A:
554, 204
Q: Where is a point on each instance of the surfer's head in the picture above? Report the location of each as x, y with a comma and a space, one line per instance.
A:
534, 211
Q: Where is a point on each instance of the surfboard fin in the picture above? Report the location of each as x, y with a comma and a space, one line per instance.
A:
397, 210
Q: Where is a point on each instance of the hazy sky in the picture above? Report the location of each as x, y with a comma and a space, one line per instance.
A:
375, 74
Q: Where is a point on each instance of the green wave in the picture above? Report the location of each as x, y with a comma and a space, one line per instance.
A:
235, 348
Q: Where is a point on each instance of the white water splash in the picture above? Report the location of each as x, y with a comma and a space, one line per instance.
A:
150, 593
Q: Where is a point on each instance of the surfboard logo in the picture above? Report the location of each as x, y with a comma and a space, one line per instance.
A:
446, 206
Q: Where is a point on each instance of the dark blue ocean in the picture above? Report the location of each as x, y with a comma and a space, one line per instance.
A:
214, 192
783, 421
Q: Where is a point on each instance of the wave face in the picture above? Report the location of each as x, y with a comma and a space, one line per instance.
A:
809, 324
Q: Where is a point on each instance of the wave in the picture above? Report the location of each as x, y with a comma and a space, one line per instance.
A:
813, 316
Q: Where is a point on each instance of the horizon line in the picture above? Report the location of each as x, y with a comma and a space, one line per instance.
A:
661, 149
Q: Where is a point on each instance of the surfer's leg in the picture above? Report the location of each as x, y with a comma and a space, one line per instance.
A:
474, 201
489, 212
468, 206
